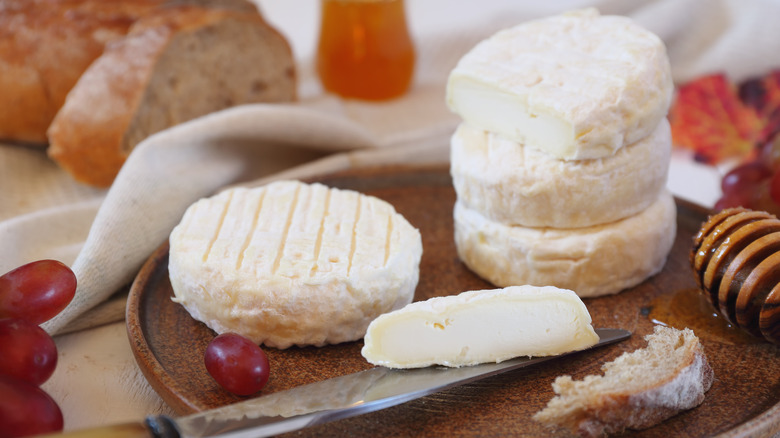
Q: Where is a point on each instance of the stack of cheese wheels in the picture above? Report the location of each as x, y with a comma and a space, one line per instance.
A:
560, 163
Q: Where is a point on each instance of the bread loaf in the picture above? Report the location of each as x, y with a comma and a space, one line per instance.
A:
174, 65
46, 45
638, 390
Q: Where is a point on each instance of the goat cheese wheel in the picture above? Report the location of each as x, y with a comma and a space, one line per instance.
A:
591, 261
480, 326
292, 263
577, 85
516, 185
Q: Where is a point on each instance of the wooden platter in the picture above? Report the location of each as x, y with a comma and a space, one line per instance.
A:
744, 400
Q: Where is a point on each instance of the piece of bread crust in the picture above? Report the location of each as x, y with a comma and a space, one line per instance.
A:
638, 390
178, 64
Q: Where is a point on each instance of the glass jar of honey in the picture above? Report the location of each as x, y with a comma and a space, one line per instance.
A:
365, 50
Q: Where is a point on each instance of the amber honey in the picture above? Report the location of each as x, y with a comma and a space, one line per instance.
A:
365, 50
689, 308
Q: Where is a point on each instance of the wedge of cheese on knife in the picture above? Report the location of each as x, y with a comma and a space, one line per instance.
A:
480, 326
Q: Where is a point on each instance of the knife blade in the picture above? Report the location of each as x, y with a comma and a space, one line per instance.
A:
328, 400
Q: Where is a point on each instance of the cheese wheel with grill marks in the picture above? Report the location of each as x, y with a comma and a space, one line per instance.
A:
292, 263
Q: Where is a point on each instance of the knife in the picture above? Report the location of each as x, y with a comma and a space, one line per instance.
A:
321, 402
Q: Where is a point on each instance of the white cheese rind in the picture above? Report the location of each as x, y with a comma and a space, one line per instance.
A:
480, 326
576, 86
516, 185
592, 261
292, 263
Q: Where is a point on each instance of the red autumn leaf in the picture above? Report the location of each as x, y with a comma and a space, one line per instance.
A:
709, 118
763, 94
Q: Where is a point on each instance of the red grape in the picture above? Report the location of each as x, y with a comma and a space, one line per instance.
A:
774, 188
26, 409
743, 186
762, 200
237, 364
736, 199
36, 291
745, 178
29, 353
769, 153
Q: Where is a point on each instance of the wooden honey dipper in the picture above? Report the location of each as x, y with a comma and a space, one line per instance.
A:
736, 259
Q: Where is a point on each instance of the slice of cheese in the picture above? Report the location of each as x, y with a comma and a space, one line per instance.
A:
480, 326
293, 264
576, 86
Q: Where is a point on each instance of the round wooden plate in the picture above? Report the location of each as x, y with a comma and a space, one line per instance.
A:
744, 400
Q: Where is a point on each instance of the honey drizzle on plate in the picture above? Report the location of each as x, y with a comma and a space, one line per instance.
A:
689, 308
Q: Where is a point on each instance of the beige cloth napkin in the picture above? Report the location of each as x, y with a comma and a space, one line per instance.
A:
46, 215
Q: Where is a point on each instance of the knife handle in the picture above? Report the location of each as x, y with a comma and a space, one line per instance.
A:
152, 427
128, 430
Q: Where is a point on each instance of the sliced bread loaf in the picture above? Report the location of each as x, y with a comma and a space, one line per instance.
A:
46, 45
178, 64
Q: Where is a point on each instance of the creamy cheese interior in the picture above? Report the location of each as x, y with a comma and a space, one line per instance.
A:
480, 326
507, 114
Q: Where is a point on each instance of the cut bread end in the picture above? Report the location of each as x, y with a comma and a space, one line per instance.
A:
177, 65
638, 389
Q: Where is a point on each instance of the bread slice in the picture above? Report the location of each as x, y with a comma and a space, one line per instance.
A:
175, 65
638, 389
46, 45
